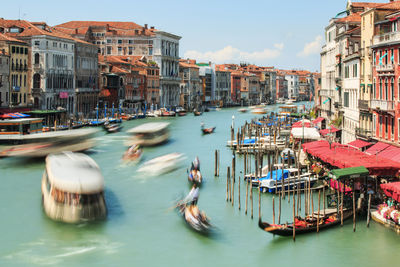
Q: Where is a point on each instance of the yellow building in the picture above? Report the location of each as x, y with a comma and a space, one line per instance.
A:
19, 95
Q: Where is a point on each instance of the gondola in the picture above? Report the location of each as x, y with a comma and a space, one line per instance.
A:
303, 226
181, 113
208, 130
197, 113
133, 154
195, 177
198, 222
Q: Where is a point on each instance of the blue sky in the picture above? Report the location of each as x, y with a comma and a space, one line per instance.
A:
284, 34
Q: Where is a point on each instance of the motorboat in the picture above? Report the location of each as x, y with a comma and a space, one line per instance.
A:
73, 188
112, 128
162, 164
133, 154
259, 111
43, 144
149, 134
243, 110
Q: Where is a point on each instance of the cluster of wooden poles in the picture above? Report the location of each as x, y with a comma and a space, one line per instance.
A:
273, 155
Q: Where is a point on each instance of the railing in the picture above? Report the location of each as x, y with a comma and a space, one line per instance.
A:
363, 104
386, 38
384, 105
387, 67
363, 132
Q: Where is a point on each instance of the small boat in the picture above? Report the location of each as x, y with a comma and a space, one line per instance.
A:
243, 110
162, 164
112, 128
195, 219
208, 130
149, 134
181, 113
73, 188
195, 176
133, 154
306, 225
197, 113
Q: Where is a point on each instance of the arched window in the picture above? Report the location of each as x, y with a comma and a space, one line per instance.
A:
392, 88
380, 88
36, 80
37, 58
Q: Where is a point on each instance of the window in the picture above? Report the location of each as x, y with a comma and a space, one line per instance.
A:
54, 44
380, 125
386, 125
392, 88
26, 51
130, 50
380, 88
150, 51
392, 56
119, 41
13, 49
374, 57
109, 41
346, 99
37, 58
386, 57
37, 43
130, 41
119, 50
109, 49
386, 89
392, 125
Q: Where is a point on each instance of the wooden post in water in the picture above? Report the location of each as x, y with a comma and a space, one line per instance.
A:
239, 192
216, 162
259, 203
227, 184
354, 210
219, 155
312, 203
251, 199
233, 179
369, 209
310, 196
283, 180
294, 217
319, 201
279, 214
273, 209
247, 196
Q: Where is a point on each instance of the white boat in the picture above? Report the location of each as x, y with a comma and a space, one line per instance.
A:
280, 101
162, 164
149, 134
292, 180
73, 188
43, 144
243, 110
259, 111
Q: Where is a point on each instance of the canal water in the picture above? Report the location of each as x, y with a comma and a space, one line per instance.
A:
143, 230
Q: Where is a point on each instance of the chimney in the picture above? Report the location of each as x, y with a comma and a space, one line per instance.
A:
145, 26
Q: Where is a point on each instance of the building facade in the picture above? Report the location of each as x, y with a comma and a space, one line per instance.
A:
223, 87
4, 79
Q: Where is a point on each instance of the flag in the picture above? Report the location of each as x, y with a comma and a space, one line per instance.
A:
326, 101
380, 59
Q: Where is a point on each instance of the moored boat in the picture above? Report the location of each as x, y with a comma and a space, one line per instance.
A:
306, 225
208, 130
73, 188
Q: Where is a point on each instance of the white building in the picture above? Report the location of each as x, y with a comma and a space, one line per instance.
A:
166, 55
293, 85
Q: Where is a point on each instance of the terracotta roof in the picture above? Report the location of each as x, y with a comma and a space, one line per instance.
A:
354, 17
188, 65
5, 37
112, 27
116, 69
392, 5
354, 30
365, 4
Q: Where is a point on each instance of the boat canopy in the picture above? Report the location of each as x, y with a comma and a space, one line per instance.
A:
318, 120
74, 173
276, 175
392, 190
348, 173
150, 127
343, 156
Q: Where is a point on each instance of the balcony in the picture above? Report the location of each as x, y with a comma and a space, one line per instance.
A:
384, 105
37, 91
363, 133
386, 38
363, 104
387, 67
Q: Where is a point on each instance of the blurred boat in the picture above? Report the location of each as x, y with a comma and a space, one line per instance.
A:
243, 110
208, 130
149, 134
133, 154
162, 164
197, 113
43, 144
259, 111
195, 177
73, 188
112, 128
194, 218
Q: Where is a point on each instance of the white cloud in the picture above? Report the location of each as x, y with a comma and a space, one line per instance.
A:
232, 54
313, 47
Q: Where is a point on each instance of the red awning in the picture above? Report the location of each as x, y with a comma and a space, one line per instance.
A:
377, 148
392, 190
391, 152
318, 120
326, 131
359, 143
343, 156
299, 124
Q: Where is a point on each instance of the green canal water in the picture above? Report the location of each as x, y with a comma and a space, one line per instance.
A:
142, 230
